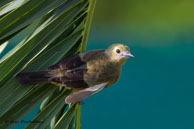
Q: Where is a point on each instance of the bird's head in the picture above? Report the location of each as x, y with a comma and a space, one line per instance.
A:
118, 53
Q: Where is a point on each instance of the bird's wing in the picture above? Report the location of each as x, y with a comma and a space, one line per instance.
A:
71, 71
73, 78
68, 63
82, 94
76, 60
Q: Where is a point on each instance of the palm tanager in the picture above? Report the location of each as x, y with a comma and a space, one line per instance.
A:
88, 72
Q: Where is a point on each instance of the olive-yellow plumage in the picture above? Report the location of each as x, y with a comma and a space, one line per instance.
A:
89, 72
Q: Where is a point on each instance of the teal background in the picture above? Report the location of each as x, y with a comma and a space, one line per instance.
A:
155, 90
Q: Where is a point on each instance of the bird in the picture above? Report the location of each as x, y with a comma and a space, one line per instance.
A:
86, 73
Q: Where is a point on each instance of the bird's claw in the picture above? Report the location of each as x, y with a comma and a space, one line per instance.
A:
80, 102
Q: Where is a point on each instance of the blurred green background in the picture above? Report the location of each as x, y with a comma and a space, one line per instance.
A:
156, 87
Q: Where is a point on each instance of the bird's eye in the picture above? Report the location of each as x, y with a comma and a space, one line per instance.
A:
118, 51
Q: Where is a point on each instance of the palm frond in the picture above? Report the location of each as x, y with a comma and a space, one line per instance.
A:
54, 29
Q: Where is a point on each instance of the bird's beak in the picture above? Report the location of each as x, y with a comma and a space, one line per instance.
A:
127, 54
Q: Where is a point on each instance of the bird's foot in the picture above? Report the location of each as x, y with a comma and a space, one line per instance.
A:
80, 102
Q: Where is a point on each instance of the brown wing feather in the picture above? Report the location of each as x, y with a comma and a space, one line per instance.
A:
70, 72
68, 63
72, 69
73, 78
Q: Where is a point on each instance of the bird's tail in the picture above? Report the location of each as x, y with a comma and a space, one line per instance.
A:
33, 77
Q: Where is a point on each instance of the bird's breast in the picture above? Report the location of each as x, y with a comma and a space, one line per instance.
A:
101, 71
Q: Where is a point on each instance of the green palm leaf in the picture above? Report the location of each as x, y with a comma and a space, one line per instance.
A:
54, 29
